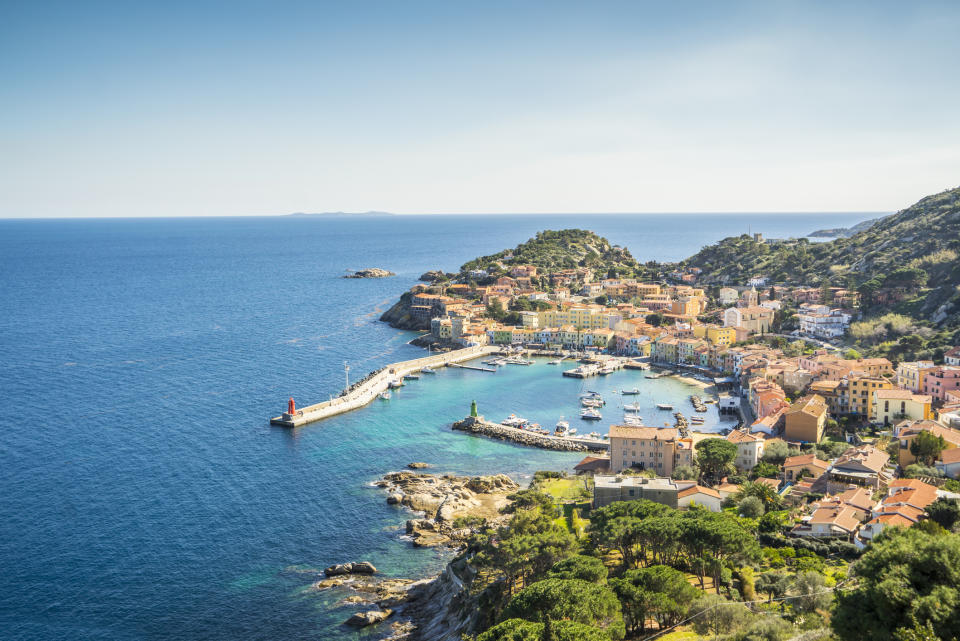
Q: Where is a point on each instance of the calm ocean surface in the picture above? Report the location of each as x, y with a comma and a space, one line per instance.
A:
143, 494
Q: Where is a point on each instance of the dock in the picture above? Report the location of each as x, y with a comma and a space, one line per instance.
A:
473, 367
369, 388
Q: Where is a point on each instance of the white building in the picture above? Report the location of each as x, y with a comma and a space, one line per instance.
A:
749, 449
822, 322
728, 295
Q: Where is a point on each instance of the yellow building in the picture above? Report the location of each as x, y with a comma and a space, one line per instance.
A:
890, 406
909, 430
860, 393
805, 420
716, 335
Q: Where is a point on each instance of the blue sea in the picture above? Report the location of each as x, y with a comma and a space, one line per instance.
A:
143, 494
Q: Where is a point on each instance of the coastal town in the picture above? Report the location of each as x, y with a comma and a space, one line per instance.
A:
831, 433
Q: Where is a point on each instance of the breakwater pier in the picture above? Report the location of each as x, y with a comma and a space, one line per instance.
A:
477, 425
369, 388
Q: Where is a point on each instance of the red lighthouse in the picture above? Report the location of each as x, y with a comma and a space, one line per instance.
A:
291, 407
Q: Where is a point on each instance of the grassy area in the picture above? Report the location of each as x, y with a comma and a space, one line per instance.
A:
562, 489
680, 635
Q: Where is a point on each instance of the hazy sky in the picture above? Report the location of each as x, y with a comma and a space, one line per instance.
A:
235, 108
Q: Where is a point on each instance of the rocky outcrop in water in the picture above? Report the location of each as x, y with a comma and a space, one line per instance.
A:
364, 567
373, 272
444, 500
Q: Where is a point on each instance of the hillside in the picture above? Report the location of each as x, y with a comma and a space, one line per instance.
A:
843, 232
904, 266
551, 251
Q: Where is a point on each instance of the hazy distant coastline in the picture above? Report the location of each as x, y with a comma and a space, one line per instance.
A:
343, 214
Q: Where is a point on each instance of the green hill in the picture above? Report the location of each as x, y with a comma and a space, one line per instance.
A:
551, 251
904, 264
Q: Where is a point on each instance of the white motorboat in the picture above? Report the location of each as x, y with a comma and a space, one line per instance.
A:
632, 407
385, 395
632, 420
428, 370
515, 421
563, 428
664, 406
630, 392
590, 414
395, 384
591, 402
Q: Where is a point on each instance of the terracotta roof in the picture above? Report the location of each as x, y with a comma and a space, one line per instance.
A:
774, 483
860, 498
592, 463
813, 405
906, 511
699, 489
731, 488
842, 517
919, 498
741, 436
912, 428
805, 459
648, 433
867, 456
892, 519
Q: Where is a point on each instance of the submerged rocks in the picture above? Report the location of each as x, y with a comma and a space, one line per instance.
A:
419, 465
373, 272
370, 617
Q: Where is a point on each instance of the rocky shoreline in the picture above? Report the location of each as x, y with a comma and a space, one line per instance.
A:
450, 509
450, 504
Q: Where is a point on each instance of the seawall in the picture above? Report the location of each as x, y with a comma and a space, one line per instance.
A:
481, 427
364, 392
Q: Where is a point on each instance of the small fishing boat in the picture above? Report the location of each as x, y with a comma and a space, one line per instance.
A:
632, 407
630, 392
590, 414
664, 406
395, 384
412, 377
428, 370
385, 395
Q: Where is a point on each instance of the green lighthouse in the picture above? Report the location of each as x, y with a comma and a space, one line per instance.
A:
473, 409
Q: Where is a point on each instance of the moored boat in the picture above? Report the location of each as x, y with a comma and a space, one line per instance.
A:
664, 406
590, 414
630, 392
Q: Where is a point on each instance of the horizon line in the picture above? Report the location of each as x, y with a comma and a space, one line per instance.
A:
383, 214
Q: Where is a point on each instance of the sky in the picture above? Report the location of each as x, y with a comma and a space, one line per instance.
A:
256, 108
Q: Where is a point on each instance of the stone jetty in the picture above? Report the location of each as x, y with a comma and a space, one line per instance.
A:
368, 388
476, 425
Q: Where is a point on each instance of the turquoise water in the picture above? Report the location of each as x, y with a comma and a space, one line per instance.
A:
143, 494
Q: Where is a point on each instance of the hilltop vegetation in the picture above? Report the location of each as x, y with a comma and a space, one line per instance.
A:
904, 263
552, 251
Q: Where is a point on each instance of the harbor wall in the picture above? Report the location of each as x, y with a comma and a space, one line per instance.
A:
481, 427
368, 389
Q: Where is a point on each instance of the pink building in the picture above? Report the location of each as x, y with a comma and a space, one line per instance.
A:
941, 380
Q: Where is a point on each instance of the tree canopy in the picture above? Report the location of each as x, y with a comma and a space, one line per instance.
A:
906, 578
571, 600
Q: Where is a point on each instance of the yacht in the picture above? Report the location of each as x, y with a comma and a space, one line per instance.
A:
630, 392
563, 428
515, 421
395, 383
590, 414
591, 402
